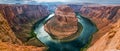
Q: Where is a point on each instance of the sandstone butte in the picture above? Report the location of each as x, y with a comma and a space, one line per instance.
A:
63, 24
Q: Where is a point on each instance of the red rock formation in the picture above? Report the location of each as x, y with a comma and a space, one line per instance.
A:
109, 41
103, 12
104, 17
101, 16
6, 33
63, 24
22, 17
8, 40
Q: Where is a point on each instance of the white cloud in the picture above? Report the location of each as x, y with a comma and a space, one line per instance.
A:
71, 1
52, 0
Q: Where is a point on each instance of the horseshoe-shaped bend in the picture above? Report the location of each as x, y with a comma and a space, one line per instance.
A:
65, 30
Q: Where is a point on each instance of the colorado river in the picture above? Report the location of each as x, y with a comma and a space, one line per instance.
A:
82, 39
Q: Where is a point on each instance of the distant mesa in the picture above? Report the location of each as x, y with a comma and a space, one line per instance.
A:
63, 24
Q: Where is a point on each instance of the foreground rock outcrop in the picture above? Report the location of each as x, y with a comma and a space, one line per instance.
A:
63, 24
5, 46
108, 42
8, 40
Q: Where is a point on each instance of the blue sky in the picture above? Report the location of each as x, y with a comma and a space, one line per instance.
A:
72, 1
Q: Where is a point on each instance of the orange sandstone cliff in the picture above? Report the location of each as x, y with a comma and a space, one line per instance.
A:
107, 20
21, 19
8, 40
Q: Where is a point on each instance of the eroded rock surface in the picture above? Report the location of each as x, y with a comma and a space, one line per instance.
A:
9, 42
5, 46
107, 20
21, 19
63, 24
6, 33
103, 16
108, 42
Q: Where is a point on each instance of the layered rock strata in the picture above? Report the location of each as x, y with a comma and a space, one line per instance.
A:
21, 18
63, 24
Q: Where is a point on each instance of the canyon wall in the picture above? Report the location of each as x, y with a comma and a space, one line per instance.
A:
6, 33
21, 19
110, 41
106, 19
8, 40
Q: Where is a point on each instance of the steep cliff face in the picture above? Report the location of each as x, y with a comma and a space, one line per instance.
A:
21, 19
8, 39
110, 41
6, 33
107, 20
103, 16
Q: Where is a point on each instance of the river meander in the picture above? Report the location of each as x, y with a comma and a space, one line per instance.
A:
88, 29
